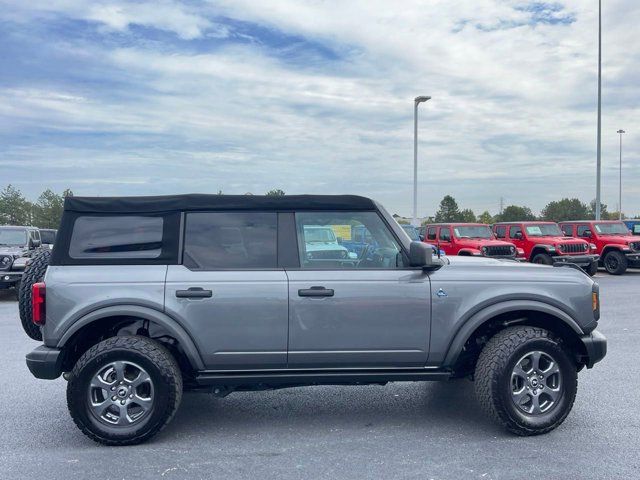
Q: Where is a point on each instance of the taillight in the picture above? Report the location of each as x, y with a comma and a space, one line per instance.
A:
38, 305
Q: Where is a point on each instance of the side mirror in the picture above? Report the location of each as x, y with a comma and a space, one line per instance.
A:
587, 234
421, 237
420, 254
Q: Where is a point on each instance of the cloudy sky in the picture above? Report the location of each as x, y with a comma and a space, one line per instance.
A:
115, 98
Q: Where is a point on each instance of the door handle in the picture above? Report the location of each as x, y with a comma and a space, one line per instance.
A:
315, 292
194, 292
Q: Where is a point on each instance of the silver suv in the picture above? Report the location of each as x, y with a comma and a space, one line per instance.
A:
146, 297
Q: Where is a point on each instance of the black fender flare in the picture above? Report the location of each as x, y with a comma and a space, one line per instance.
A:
146, 313
486, 314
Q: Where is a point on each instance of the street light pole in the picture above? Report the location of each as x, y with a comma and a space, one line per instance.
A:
416, 102
620, 132
598, 166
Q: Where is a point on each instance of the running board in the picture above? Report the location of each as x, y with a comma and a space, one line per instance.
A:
275, 379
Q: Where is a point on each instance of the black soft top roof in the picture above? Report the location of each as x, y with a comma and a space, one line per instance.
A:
197, 201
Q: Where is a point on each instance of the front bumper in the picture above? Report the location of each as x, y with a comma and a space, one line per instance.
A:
633, 258
9, 278
580, 260
595, 346
45, 362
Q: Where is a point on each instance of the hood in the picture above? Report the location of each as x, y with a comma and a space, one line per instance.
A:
557, 240
13, 250
619, 239
483, 268
479, 243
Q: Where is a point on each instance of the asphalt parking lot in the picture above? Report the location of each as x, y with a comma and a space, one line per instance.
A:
402, 430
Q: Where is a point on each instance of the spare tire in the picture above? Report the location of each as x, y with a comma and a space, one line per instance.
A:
34, 273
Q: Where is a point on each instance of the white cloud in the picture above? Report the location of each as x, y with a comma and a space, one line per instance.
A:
512, 114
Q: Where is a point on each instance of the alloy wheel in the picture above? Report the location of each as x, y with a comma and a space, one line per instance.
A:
536, 383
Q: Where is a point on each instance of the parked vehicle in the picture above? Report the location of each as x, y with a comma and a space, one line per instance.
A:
633, 225
611, 239
470, 239
48, 236
145, 297
545, 243
16, 245
321, 243
414, 235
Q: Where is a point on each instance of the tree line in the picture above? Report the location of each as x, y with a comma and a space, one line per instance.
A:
556, 211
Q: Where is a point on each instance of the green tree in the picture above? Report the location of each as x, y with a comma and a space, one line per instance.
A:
565, 209
514, 213
275, 193
448, 211
47, 211
604, 215
14, 208
485, 217
467, 216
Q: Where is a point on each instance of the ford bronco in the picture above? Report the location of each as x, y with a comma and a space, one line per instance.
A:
146, 297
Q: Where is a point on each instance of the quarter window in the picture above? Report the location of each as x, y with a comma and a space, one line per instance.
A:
217, 241
116, 237
346, 240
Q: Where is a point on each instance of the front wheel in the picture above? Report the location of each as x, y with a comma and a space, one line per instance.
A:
615, 263
525, 380
593, 269
543, 259
124, 390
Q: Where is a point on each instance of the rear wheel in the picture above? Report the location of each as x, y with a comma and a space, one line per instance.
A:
124, 390
615, 262
525, 380
34, 273
543, 259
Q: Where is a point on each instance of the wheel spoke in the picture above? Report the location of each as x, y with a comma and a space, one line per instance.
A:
123, 417
99, 408
552, 370
535, 405
144, 403
520, 395
99, 382
142, 377
535, 360
518, 371
118, 367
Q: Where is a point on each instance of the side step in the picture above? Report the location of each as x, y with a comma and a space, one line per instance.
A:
282, 378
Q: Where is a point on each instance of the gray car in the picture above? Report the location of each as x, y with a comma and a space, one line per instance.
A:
146, 297
16, 245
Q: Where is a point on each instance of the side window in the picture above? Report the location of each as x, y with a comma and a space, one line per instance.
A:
346, 240
432, 233
582, 230
636, 229
116, 237
501, 231
445, 234
217, 240
514, 231
567, 230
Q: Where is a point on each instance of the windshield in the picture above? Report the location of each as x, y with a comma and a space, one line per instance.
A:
617, 228
319, 234
411, 231
474, 231
544, 230
12, 236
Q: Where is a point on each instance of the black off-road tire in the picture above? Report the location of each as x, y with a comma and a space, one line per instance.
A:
161, 367
493, 383
592, 269
543, 259
34, 273
615, 262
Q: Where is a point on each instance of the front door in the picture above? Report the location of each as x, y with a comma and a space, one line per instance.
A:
349, 309
229, 293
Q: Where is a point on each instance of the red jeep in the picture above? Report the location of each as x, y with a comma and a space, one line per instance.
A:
618, 249
472, 239
544, 242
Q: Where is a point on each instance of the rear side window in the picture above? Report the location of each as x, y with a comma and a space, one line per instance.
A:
48, 236
116, 237
218, 241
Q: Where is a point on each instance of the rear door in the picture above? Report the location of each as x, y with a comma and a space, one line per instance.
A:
229, 292
369, 311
